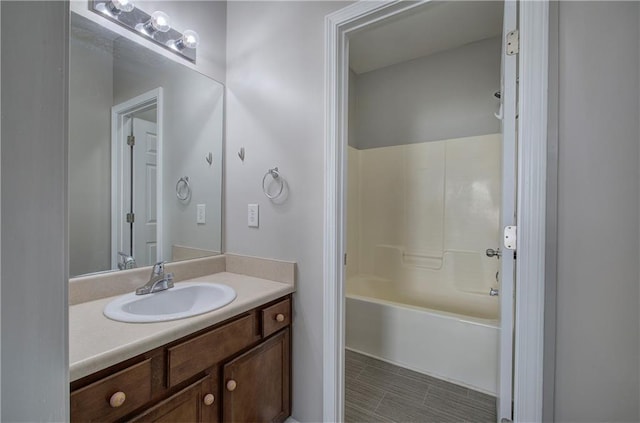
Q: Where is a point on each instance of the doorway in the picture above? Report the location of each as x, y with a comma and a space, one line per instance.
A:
341, 26
424, 184
136, 181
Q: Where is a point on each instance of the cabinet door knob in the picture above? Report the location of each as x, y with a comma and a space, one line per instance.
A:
280, 317
231, 385
117, 399
208, 399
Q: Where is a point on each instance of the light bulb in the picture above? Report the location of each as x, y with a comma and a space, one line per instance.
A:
115, 7
189, 39
159, 22
123, 5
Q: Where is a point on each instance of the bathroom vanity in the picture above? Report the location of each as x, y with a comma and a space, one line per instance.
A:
229, 364
232, 364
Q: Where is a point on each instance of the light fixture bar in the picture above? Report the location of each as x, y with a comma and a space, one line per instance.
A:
169, 40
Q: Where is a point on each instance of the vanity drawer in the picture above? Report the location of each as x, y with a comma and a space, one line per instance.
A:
114, 396
276, 317
197, 354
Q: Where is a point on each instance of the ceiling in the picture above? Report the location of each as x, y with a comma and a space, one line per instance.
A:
434, 27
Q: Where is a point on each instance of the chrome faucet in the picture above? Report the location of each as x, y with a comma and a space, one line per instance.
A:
128, 262
159, 281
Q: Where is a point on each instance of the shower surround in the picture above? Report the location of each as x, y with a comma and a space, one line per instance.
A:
419, 219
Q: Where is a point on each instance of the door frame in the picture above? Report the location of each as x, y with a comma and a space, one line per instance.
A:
531, 203
119, 113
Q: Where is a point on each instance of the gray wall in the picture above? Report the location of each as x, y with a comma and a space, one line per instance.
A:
34, 211
597, 356
442, 96
551, 241
275, 109
91, 88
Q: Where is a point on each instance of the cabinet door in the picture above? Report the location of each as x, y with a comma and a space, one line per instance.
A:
191, 404
257, 383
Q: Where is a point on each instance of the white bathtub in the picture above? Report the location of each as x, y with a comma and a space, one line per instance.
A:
459, 348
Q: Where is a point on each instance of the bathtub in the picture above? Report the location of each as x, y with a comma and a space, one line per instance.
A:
430, 336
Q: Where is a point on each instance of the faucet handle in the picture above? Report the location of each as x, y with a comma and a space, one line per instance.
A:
158, 268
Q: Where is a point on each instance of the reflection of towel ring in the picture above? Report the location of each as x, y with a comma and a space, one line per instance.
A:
276, 177
183, 189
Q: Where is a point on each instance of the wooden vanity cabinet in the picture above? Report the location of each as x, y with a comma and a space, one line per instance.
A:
235, 371
195, 403
257, 383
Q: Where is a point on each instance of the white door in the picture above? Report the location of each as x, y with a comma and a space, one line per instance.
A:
145, 174
508, 213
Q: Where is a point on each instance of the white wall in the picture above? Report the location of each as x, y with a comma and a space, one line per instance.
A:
275, 109
34, 212
91, 88
597, 353
442, 96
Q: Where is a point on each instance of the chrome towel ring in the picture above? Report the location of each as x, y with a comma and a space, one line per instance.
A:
275, 175
183, 189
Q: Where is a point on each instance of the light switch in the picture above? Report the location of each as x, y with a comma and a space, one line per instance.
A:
253, 213
201, 214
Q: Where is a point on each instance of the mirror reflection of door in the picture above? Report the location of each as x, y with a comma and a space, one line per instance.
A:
137, 181
143, 201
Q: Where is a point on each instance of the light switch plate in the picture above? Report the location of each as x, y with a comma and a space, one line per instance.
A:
201, 214
253, 215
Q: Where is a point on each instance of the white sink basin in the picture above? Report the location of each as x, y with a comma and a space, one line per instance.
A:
184, 300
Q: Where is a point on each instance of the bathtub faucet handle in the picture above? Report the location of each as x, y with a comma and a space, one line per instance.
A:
493, 253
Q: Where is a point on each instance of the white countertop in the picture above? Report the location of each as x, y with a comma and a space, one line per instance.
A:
96, 342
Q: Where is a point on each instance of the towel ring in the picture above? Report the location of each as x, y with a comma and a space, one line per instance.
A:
276, 177
183, 189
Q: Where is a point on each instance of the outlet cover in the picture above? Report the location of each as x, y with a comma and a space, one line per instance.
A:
253, 215
201, 214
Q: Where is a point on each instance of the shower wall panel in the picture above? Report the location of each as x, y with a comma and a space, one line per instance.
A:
426, 212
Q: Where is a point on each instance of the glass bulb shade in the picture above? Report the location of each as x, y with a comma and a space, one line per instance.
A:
123, 5
160, 21
190, 39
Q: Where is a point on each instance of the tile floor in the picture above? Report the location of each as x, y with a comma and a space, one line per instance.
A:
377, 391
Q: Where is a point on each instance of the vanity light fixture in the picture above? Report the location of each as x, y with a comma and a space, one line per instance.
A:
155, 27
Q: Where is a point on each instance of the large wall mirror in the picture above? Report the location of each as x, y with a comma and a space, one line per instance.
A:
145, 155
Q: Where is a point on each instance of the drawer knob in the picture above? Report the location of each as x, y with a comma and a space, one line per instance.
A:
231, 385
280, 317
117, 399
208, 399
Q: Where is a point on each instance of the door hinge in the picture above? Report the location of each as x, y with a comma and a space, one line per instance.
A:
345, 259
510, 237
513, 42
131, 217
131, 140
